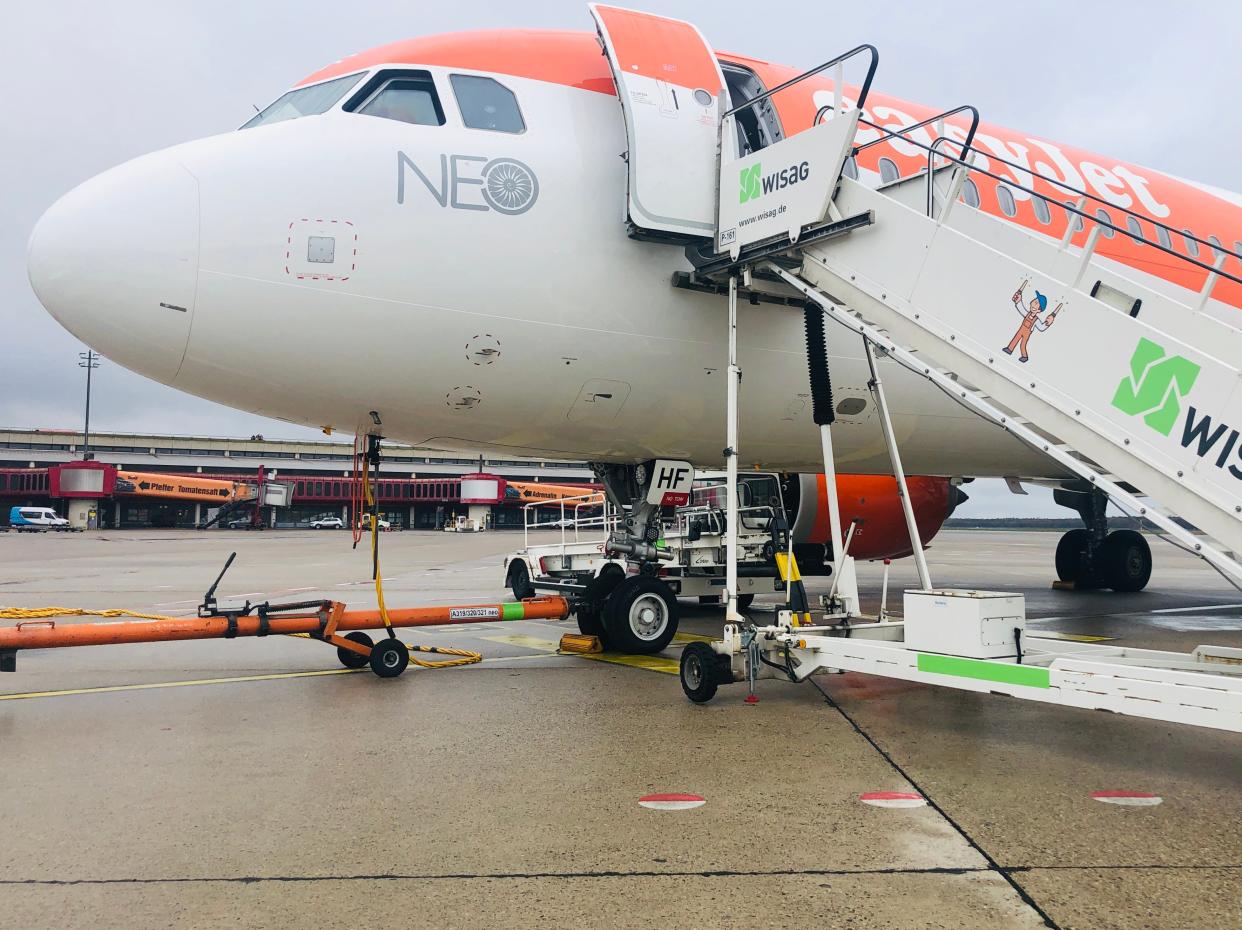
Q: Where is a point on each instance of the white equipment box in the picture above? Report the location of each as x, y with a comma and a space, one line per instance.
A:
973, 624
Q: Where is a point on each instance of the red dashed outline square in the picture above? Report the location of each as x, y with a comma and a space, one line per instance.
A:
353, 258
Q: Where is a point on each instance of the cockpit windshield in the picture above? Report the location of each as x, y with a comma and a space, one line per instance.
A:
305, 101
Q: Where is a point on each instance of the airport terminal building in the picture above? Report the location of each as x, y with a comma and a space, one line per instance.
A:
418, 488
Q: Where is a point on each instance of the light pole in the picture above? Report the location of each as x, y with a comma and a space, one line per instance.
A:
89, 361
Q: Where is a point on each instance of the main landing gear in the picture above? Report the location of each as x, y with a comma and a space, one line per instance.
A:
1092, 557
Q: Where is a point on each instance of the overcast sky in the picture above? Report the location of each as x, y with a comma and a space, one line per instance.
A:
91, 84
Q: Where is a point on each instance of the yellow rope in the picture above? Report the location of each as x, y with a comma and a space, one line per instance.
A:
467, 657
44, 613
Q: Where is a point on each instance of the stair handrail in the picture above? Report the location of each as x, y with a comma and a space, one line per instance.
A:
840, 60
964, 108
933, 152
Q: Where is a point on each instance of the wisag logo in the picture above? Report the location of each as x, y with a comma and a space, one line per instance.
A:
755, 184
750, 183
1156, 386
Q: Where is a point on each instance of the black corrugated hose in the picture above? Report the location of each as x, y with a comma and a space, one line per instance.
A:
817, 364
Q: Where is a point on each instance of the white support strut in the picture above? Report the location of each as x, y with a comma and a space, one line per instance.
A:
731, 440
903, 491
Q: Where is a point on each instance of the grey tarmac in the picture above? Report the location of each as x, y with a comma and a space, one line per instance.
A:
507, 792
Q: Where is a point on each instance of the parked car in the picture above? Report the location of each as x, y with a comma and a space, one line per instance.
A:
37, 520
383, 524
328, 523
240, 523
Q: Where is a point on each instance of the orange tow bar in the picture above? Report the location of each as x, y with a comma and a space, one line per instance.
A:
388, 658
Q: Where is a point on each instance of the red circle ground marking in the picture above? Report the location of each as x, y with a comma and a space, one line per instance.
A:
672, 801
893, 799
1128, 798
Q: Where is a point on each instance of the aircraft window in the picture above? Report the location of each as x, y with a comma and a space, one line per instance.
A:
850, 168
1004, 196
888, 171
1105, 217
1074, 218
757, 126
487, 104
970, 193
1192, 247
1218, 248
1042, 213
305, 101
1163, 235
409, 98
1136, 229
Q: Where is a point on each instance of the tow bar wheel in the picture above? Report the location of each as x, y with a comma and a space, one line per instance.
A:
641, 615
698, 667
389, 657
352, 659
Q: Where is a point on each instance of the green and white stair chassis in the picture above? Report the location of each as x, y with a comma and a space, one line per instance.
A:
1202, 687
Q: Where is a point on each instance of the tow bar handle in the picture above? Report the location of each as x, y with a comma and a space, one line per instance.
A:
208, 607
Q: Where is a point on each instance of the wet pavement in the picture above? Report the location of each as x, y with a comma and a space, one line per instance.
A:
255, 783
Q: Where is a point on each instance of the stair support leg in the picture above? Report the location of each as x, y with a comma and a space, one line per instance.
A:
903, 492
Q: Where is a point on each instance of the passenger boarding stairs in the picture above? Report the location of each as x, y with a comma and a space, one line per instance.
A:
1137, 391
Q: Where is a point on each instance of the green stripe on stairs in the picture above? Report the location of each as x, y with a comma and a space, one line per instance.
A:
1032, 676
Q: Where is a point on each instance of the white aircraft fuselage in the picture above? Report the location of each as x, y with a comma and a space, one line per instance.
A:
323, 268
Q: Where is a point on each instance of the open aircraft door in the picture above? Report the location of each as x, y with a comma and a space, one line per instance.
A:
671, 89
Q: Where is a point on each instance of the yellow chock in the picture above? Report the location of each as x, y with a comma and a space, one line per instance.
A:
577, 642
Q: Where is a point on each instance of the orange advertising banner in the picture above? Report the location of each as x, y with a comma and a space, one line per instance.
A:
538, 491
182, 487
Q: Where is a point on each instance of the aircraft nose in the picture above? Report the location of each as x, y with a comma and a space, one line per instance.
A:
115, 261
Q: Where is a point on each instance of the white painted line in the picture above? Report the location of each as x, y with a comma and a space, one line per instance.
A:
1128, 798
1191, 610
893, 799
672, 802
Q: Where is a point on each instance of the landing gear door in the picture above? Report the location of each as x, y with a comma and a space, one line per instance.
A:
671, 89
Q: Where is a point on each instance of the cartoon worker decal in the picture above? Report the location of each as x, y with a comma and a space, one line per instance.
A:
1030, 320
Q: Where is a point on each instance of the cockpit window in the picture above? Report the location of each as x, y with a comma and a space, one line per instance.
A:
487, 104
407, 96
305, 101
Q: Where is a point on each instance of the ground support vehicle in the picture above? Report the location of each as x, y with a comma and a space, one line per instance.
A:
632, 607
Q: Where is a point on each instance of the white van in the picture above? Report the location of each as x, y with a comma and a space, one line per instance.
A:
37, 519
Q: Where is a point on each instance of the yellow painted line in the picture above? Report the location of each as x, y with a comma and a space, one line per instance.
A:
526, 642
693, 638
648, 663
276, 676
1072, 637
178, 684
661, 664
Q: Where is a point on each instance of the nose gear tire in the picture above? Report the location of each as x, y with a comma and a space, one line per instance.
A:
641, 615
